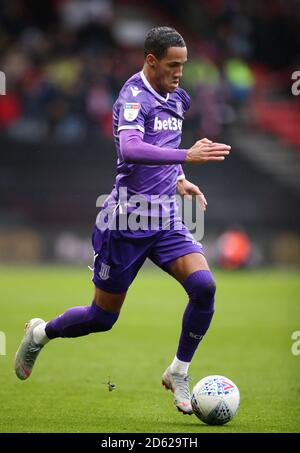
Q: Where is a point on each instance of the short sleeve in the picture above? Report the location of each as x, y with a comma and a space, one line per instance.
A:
133, 110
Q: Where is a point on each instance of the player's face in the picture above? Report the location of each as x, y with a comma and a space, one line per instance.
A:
168, 70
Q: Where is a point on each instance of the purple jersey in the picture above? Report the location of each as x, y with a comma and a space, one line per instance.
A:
160, 120
119, 253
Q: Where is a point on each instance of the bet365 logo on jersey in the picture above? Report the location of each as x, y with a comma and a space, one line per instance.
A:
171, 124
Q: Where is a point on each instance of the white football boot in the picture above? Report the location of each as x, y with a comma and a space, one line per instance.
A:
28, 350
179, 384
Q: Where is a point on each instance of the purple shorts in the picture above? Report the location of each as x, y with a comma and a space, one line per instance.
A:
119, 254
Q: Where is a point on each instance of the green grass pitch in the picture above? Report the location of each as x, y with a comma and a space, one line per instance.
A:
249, 341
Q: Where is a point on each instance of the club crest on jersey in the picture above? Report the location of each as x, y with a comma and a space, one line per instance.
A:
179, 108
131, 110
104, 271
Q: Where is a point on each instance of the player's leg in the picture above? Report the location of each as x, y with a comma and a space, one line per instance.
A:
193, 272
178, 253
117, 260
100, 316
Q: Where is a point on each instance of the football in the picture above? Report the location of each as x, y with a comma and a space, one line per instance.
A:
215, 400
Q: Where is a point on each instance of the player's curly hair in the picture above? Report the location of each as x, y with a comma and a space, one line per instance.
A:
159, 39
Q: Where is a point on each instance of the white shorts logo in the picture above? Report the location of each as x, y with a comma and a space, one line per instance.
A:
104, 271
131, 110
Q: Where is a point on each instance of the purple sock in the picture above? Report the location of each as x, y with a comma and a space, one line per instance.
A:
79, 321
201, 288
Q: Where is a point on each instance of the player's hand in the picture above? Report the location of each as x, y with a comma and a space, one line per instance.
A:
186, 188
206, 151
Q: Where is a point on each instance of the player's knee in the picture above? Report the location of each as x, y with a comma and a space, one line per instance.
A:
104, 326
102, 320
201, 288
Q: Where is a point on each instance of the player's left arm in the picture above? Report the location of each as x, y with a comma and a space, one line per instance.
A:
186, 188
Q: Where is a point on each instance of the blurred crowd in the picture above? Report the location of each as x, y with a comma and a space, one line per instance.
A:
63, 69
64, 62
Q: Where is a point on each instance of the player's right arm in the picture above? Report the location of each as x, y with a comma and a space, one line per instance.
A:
132, 117
134, 150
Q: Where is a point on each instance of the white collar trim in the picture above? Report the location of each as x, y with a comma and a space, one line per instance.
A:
156, 94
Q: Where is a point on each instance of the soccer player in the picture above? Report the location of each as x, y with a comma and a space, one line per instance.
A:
147, 124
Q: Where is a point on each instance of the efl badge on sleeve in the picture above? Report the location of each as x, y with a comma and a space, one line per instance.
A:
131, 110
